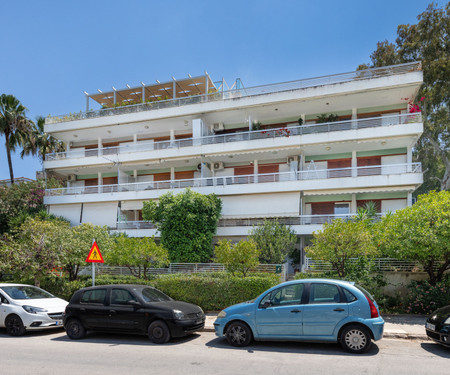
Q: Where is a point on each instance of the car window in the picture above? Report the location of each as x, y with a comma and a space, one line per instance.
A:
324, 293
286, 295
26, 292
94, 296
154, 295
349, 295
121, 297
3, 298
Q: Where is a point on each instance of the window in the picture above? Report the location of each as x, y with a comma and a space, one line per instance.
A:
3, 299
287, 295
121, 297
341, 208
94, 296
349, 295
324, 293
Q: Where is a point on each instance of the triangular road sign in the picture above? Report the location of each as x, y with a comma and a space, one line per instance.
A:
95, 256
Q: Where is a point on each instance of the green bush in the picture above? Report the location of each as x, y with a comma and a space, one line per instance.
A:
213, 293
424, 298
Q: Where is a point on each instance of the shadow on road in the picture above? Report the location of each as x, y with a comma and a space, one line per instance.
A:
436, 349
291, 347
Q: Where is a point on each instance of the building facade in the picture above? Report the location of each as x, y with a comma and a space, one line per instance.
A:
303, 152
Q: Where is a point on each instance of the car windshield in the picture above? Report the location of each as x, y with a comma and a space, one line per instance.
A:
25, 292
154, 295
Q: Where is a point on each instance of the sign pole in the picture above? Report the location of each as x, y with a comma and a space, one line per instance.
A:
94, 256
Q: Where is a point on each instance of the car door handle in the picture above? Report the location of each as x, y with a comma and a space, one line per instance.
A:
112, 311
83, 309
339, 309
296, 311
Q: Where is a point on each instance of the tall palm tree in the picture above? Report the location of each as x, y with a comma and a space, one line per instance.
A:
40, 143
14, 125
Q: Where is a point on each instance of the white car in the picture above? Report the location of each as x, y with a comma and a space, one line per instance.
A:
28, 308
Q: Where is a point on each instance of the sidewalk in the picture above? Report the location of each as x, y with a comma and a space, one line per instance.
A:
396, 326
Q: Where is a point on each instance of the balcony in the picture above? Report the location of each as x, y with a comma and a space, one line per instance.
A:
284, 132
254, 179
243, 92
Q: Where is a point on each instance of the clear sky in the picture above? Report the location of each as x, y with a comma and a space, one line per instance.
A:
53, 50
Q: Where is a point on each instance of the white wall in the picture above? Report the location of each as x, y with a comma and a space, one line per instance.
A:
261, 205
393, 205
100, 213
69, 211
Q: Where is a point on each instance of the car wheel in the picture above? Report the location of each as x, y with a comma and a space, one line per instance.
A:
239, 334
158, 332
14, 326
355, 339
75, 329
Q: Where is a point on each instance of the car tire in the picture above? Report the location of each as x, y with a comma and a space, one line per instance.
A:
75, 330
14, 325
355, 339
158, 332
239, 334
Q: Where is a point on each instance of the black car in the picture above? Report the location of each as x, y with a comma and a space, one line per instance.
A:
438, 326
136, 309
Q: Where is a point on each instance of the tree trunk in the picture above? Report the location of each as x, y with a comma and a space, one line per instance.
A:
445, 181
8, 154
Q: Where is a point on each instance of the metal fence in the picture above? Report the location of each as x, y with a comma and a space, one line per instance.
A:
288, 131
243, 92
381, 264
311, 174
186, 268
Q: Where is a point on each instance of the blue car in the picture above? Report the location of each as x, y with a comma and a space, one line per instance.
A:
316, 310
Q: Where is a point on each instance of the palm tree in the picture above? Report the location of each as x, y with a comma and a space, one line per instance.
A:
40, 143
14, 125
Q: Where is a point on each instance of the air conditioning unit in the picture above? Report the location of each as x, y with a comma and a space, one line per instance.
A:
218, 166
218, 126
290, 159
71, 177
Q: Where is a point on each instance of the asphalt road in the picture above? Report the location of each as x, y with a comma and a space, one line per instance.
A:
53, 353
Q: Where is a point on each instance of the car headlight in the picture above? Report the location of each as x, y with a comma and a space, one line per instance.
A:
33, 310
447, 321
222, 314
178, 314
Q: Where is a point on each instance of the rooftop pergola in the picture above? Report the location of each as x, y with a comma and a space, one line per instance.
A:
148, 93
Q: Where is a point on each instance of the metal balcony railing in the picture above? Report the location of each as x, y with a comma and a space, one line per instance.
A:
389, 169
242, 93
290, 130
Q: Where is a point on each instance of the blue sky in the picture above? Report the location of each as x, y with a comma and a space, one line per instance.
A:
51, 51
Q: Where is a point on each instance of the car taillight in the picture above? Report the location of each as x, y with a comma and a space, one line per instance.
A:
373, 309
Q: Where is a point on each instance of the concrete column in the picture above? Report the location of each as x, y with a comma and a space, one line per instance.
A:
174, 89
409, 159
143, 93
409, 199
136, 215
354, 164
255, 170
115, 97
354, 118
353, 205
68, 147
303, 117
100, 147
250, 123
302, 163
135, 175
172, 137
172, 177
99, 181
197, 130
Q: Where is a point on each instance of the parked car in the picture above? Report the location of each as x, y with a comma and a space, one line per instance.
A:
438, 326
136, 309
28, 308
319, 310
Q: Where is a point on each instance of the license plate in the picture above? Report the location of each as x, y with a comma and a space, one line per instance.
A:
431, 327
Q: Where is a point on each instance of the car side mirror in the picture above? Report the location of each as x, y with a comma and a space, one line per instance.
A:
134, 303
266, 304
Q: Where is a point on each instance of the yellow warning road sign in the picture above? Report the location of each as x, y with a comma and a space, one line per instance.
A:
95, 256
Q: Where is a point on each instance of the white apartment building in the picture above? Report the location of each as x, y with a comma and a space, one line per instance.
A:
303, 152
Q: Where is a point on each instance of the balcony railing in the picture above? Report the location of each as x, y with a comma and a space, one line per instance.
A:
242, 136
389, 169
244, 92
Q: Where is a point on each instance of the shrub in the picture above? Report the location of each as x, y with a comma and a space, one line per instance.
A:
424, 298
238, 258
214, 293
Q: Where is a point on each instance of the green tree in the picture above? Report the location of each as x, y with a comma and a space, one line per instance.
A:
187, 222
138, 254
240, 257
420, 233
427, 41
22, 198
14, 125
35, 250
40, 143
340, 243
275, 240
76, 242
